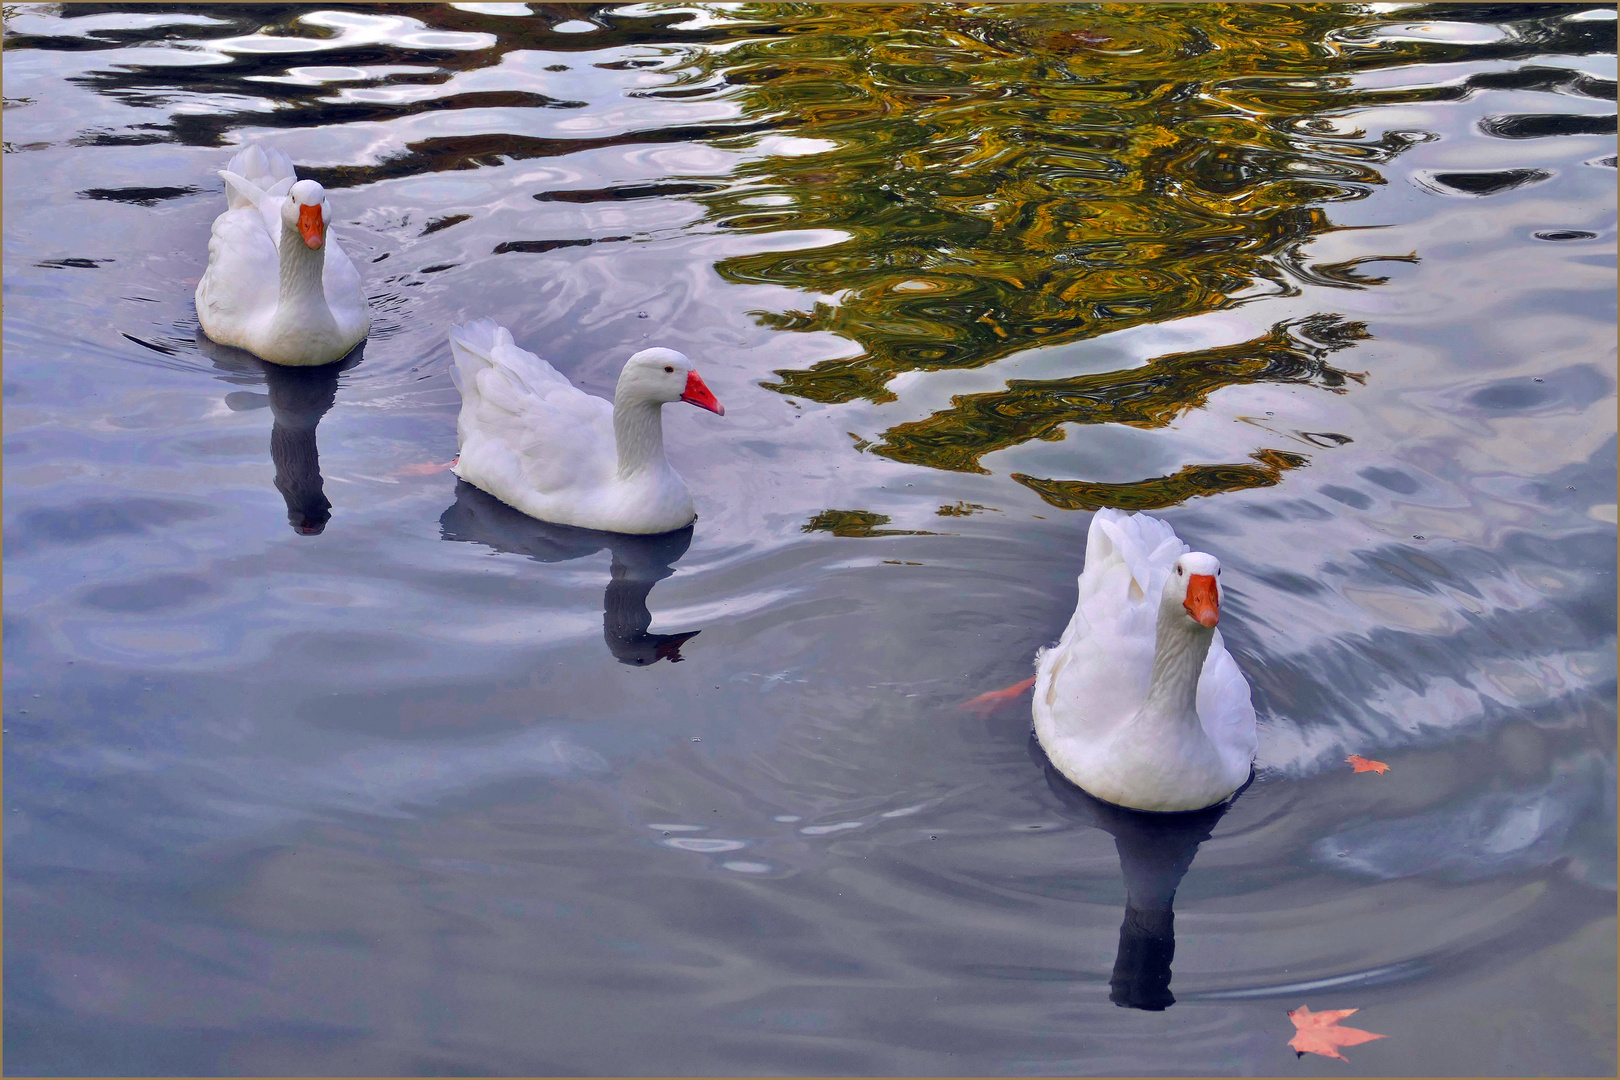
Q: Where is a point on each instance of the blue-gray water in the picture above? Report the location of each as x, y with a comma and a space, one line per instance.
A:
320, 765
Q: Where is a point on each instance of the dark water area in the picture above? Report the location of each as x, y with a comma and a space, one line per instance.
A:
318, 761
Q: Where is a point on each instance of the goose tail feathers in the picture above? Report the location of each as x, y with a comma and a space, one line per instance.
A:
254, 174
472, 346
264, 168
1143, 544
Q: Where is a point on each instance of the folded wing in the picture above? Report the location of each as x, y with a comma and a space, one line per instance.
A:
523, 419
1101, 666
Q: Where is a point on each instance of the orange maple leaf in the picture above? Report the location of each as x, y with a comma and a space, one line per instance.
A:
987, 704
1361, 764
1320, 1033
429, 468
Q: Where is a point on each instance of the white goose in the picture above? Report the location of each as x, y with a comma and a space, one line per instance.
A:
538, 444
1140, 704
277, 283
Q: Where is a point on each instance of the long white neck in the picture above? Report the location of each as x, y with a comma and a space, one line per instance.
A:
638, 429
1179, 650
301, 308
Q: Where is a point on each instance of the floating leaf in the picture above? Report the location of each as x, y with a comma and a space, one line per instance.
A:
1320, 1033
1361, 764
988, 703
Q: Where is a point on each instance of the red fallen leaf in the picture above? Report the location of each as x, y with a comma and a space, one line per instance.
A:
429, 469
986, 704
1320, 1033
1361, 764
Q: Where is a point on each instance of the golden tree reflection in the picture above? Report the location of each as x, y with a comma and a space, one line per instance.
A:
1158, 492
998, 178
949, 184
1150, 396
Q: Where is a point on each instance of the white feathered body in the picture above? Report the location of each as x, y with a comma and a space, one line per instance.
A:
317, 315
1092, 686
532, 439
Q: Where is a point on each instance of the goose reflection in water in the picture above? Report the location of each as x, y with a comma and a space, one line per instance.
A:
639, 563
298, 397
1155, 851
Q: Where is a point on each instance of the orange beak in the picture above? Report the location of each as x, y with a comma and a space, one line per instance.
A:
700, 395
311, 225
1203, 602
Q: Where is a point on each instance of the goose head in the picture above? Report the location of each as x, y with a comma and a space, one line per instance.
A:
658, 376
306, 210
1194, 588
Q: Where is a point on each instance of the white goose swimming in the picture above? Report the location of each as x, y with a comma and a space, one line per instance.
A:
277, 283
1140, 704
540, 445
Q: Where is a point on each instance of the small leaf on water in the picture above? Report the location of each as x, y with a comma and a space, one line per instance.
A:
1320, 1033
1361, 764
989, 703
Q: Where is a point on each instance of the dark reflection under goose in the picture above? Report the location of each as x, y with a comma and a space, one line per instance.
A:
298, 397
1155, 851
639, 563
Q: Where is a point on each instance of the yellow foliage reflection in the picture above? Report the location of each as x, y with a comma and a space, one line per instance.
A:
996, 178
1142, 397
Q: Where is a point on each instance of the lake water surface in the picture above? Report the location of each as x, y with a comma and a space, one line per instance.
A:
318, 763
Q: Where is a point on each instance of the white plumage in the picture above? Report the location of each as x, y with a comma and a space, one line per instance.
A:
1179, 736
276, 284
533, 440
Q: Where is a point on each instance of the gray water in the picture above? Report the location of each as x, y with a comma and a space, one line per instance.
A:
319, 763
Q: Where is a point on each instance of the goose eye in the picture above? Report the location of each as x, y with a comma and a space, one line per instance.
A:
669, 369
1178, 571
